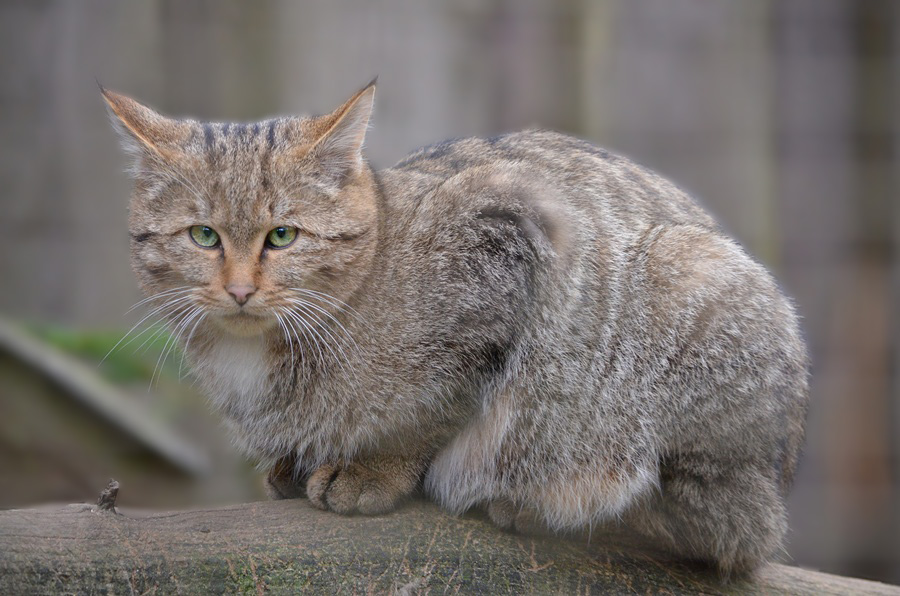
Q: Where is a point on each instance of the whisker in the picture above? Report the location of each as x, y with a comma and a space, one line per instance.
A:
329, 315
299, 329
180, 317
296, 333
290, 323
187, 344
161, 327
138, 324
331, 300
287, 336
169, 293
316, 321
307, 327
329, 297
178, 327
312, 328
300, 358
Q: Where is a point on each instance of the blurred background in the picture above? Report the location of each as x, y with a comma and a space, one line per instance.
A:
780, 115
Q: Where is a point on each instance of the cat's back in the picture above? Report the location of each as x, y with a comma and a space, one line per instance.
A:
543, 148
569, 172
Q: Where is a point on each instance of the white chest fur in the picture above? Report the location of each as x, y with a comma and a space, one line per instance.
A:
237, 375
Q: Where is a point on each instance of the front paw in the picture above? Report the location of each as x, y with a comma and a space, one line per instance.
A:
370, 489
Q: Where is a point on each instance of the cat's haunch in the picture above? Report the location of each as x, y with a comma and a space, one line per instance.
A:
524, 323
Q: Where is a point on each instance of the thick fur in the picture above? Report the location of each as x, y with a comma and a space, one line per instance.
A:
526, 323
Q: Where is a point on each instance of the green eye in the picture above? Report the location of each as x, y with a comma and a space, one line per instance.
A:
204, 236
281, 237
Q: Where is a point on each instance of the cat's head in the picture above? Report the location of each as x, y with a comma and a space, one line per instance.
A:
239, 221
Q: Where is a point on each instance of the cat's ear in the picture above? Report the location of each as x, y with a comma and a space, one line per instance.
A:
145, 134
338, 149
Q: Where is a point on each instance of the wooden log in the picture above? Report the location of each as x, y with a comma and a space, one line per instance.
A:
287, 546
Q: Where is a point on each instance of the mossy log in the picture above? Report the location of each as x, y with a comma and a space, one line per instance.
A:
287, 546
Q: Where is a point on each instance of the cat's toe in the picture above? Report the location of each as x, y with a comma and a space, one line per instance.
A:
352, 489
317, 485
342, 495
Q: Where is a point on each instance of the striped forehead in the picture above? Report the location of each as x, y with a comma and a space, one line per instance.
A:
220, 138
244, 191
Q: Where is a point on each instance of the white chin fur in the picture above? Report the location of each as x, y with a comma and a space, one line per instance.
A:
244, 325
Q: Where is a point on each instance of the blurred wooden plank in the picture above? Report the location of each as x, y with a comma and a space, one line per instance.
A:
86, 387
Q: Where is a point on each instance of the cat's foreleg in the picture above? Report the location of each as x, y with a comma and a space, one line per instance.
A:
368, 485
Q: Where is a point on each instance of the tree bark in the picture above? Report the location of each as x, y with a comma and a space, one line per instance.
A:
287, 546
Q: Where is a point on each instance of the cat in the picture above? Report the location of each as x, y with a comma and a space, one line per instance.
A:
525, 323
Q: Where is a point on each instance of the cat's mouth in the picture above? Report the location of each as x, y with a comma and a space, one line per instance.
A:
244, 323
243, 314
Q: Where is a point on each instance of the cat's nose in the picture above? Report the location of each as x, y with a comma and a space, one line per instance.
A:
240, 292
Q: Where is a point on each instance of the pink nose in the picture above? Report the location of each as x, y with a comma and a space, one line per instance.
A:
240, 292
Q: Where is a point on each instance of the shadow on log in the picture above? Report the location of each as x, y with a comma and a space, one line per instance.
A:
288, 546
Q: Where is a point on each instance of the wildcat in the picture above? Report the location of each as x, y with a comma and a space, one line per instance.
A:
524, 323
